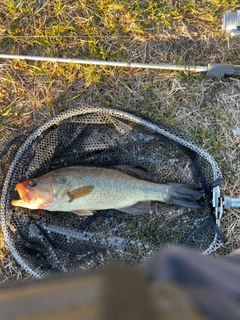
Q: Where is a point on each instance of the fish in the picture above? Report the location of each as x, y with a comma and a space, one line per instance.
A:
85, 189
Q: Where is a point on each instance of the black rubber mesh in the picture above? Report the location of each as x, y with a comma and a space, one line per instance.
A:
43, 241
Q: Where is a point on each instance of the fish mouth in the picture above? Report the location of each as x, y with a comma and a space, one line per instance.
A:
26, 195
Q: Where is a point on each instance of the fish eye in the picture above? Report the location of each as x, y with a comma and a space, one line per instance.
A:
32, 184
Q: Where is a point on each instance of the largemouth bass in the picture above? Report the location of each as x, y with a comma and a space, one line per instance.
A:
84, 189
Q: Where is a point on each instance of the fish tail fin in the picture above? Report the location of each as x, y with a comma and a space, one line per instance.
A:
186, 195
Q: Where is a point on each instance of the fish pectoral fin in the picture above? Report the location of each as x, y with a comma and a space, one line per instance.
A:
83, 212
79, 192
136, 209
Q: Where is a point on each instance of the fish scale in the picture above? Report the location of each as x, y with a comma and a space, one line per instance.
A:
112, 189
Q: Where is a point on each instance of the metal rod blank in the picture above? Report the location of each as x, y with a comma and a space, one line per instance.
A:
163, 66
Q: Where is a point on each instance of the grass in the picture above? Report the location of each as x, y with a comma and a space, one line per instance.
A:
181, 32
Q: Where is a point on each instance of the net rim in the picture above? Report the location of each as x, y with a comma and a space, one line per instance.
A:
78, 111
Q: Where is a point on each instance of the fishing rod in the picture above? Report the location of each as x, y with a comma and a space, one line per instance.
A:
212, 70
218, 70
163, 66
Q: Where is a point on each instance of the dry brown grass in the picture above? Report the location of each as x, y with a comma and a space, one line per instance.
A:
176, 32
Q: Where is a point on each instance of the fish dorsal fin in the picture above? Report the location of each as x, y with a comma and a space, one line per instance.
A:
136, 172
83, 212
140, 207
79, 192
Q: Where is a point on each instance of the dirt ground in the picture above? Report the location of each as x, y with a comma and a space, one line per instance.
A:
177, 32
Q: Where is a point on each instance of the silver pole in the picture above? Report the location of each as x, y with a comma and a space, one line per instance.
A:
163, 66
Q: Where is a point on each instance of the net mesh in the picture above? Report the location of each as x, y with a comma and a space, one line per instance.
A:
43, 242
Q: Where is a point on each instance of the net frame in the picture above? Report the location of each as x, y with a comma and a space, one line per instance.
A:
145, 122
